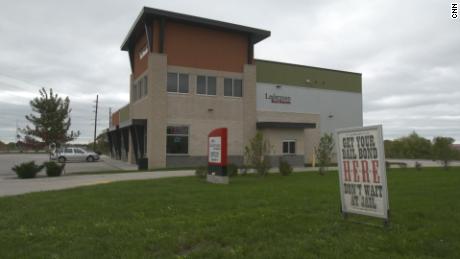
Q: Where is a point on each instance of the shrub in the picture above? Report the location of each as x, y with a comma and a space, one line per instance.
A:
257, 152
53, 169
201, 172
27, 170
284, 167
232, 170
323, 152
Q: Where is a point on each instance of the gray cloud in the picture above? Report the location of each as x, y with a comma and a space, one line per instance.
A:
407, 52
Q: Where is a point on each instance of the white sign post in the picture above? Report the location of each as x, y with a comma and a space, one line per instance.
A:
362, 172
215, 149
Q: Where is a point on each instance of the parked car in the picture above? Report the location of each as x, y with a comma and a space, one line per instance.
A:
74, 154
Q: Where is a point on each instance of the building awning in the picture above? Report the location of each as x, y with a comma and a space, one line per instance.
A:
128, 123
284, 125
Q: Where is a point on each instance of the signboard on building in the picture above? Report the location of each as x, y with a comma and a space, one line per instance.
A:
362, 172
278, 98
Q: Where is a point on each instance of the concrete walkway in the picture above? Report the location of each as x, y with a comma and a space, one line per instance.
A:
20, 186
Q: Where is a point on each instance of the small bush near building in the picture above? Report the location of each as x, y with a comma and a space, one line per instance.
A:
201, 172
27, 170
284, 167
54, 169
232, 170
323, 152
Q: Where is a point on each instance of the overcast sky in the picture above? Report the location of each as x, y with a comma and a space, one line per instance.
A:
407, 51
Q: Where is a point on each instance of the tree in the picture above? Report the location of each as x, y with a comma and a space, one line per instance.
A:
412, 146
443, 150
323, 152
257, 152
102, 144
52, 123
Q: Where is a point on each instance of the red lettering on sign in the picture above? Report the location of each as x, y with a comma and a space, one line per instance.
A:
375, 171
355, 171
365, 170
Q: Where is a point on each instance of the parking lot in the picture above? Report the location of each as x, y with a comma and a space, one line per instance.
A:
7, 161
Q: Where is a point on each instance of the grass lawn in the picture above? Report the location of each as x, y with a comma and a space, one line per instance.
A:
274, 217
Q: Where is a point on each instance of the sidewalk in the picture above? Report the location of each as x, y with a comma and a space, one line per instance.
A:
20, 186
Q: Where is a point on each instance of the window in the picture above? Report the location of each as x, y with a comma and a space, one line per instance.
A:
145, 85
68, 150
177, 83
177, 140
134, 94
289, 147
233, 87
78, 151
140, 89
206, 85
183, 83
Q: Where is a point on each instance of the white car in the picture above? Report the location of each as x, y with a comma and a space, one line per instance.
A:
74, 154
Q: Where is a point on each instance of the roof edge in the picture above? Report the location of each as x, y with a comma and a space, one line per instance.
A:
259, 34
305, 66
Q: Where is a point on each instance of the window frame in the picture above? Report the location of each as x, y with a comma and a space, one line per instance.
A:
206, 86
233, 87
289, 142
178, 135
177, 79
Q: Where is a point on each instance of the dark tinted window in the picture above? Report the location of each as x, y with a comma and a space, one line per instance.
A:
201, 85
212, 85
238, 87
285, 147
183, 83
177, 140
292, 147
228, 85
172, 82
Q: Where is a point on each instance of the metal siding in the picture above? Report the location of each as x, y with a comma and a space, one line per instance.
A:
346, 107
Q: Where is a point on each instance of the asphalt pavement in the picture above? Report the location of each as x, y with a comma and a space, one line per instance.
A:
7, 161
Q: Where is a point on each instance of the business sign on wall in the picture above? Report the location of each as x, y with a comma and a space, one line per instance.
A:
278, 98
362, 172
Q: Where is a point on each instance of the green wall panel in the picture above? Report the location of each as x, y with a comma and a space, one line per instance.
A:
297, 75
124, 113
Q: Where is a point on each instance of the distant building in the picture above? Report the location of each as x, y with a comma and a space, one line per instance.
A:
191, 75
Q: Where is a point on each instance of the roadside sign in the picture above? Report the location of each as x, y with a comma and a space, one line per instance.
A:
362, 172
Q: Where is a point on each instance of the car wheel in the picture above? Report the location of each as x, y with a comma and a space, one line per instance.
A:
90, 159
61, 159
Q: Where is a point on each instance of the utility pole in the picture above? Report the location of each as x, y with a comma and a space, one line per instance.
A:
95, 123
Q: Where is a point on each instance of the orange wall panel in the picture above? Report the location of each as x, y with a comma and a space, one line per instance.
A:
140, 65
200, 47
115, 118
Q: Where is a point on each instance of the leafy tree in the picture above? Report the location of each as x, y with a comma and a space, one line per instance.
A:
51, 122
102, 144
323, 152
412, 146
257, 152
443, 150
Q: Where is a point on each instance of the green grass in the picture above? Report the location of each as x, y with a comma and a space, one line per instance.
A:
274, 217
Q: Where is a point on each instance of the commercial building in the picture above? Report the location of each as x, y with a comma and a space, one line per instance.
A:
191, 75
